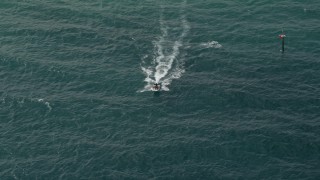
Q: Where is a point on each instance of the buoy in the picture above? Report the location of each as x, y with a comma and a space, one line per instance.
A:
282, 37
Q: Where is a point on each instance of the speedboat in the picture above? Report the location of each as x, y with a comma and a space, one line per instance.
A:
156, 87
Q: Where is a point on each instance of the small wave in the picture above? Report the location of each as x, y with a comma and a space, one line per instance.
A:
45, 103
212, 44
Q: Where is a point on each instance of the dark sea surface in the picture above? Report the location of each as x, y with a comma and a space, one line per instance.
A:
76, 99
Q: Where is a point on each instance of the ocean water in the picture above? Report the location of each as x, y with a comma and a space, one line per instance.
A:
75, 98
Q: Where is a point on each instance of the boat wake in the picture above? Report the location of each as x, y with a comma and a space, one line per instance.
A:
167, 62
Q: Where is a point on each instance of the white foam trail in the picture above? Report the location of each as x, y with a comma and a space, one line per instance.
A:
168, 66
165, 62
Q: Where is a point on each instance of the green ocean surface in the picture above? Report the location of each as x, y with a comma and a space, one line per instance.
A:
76, 99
